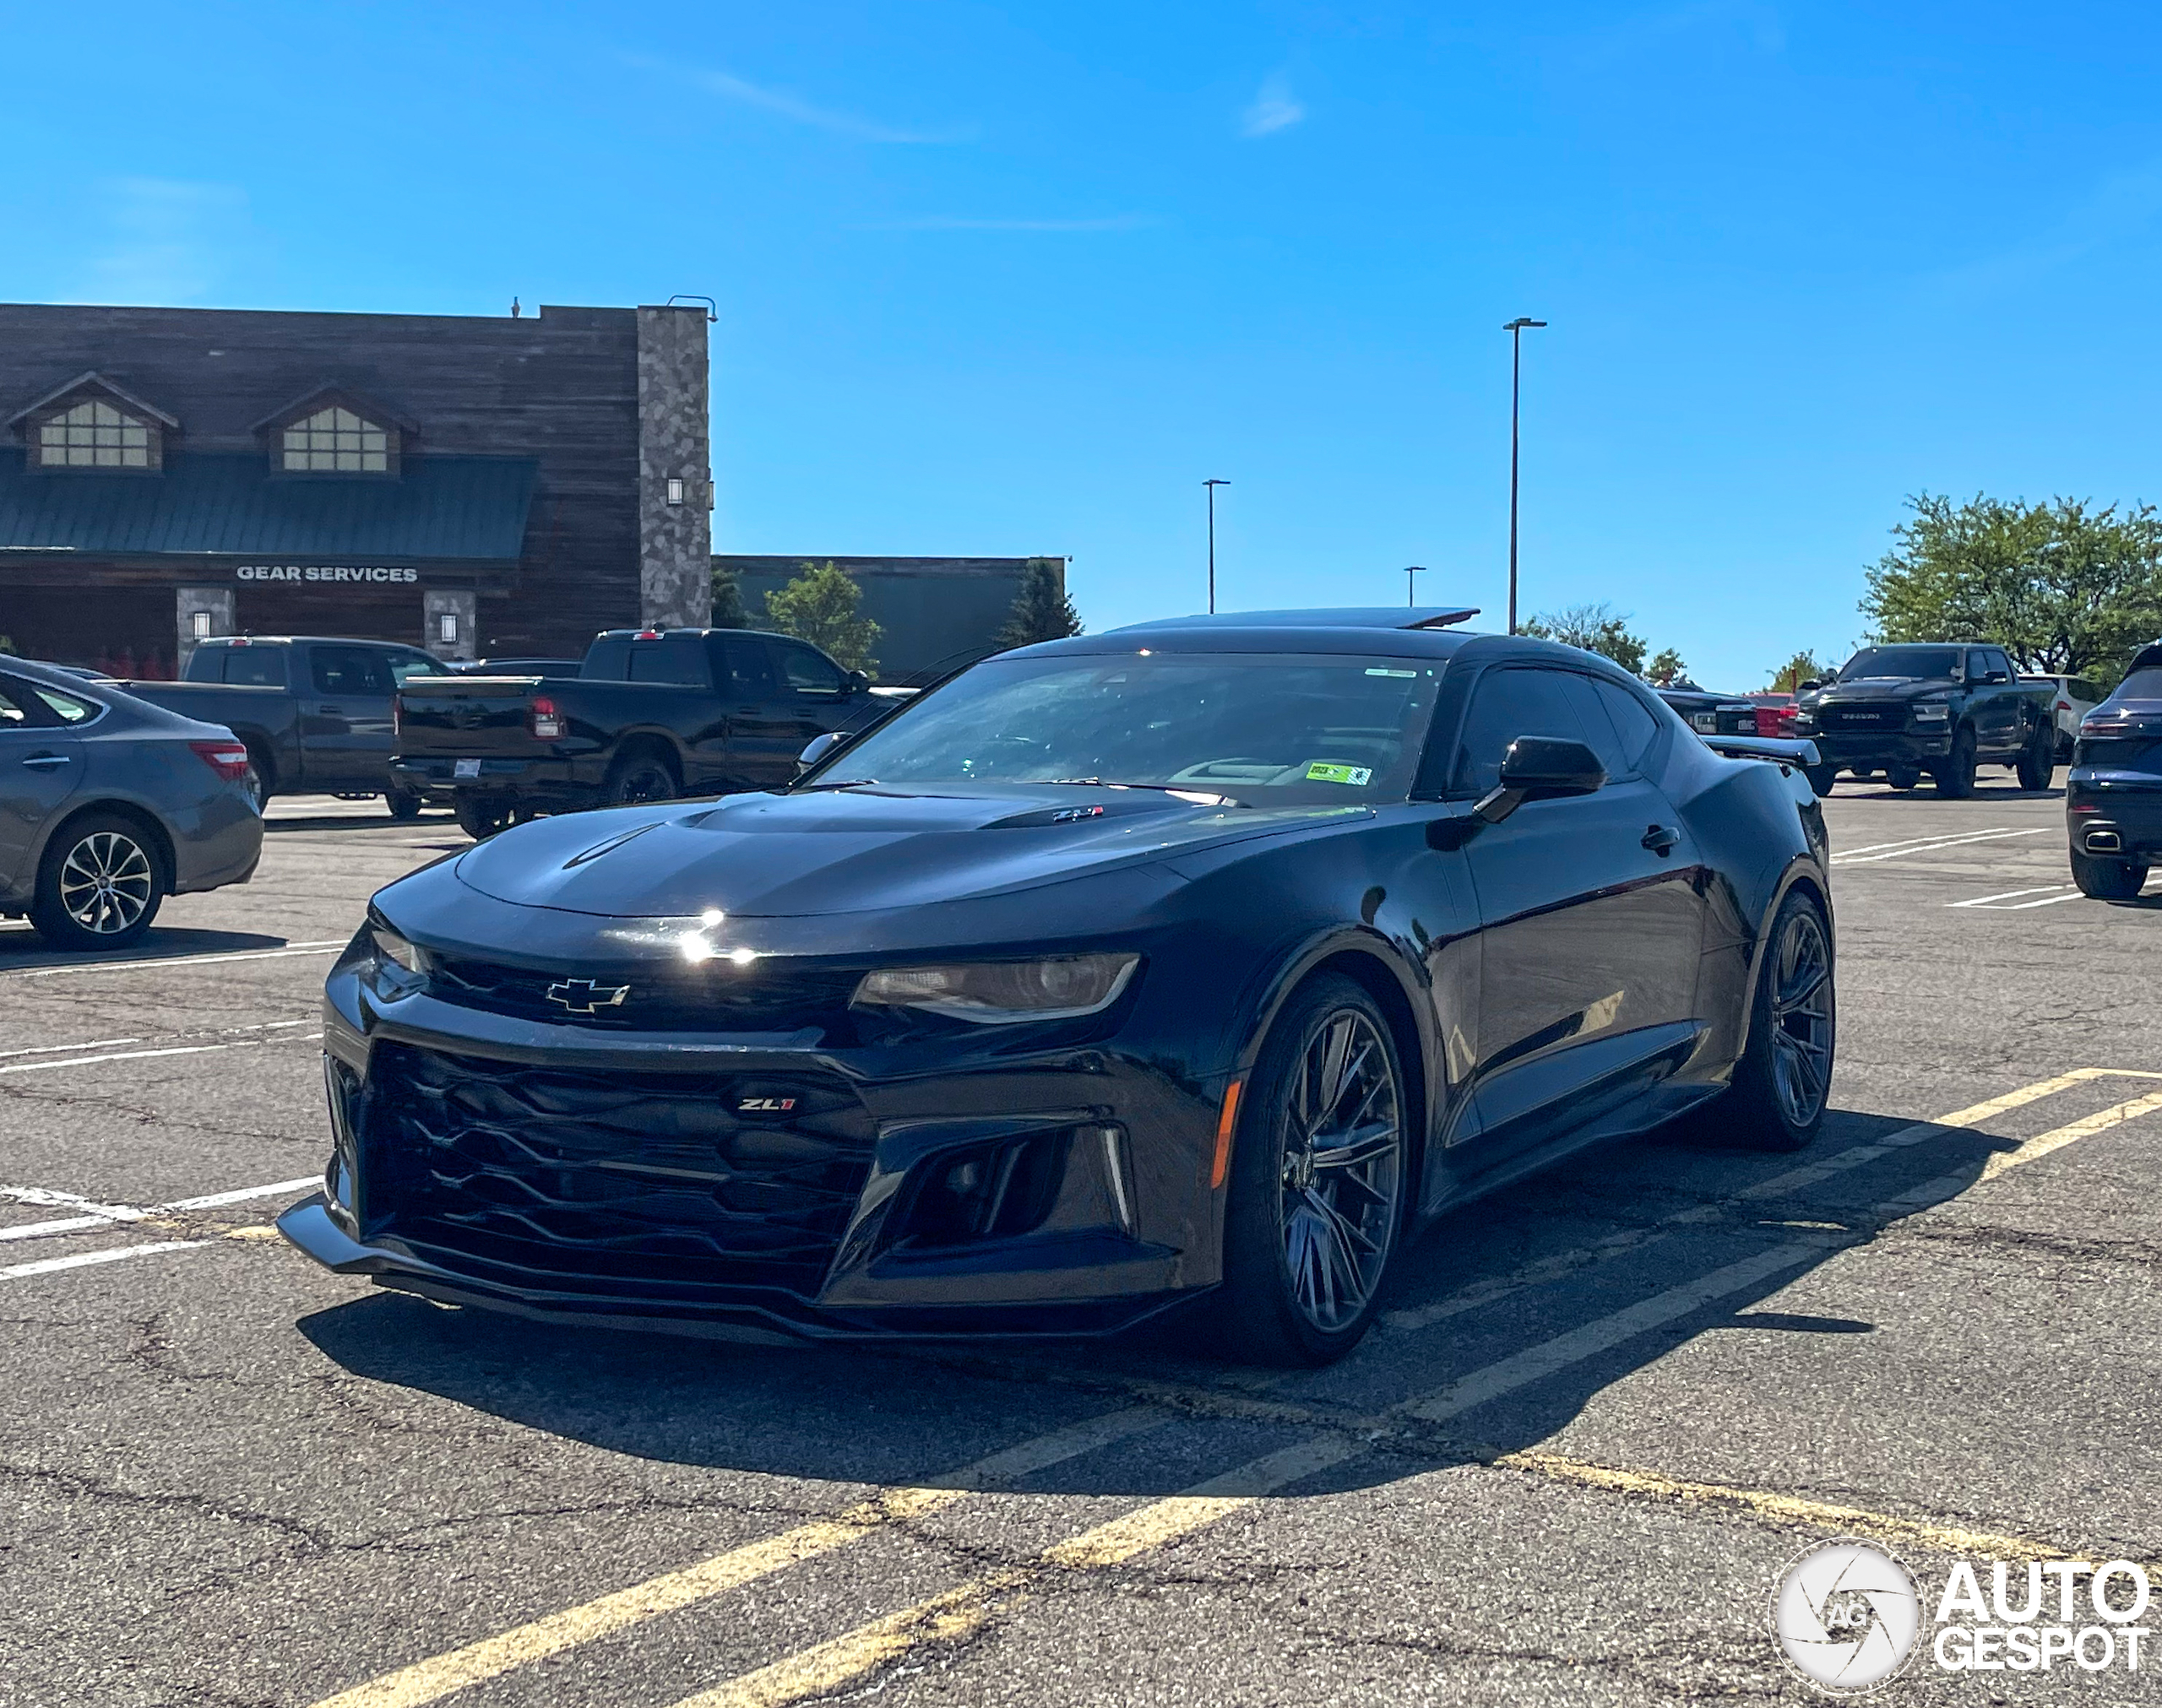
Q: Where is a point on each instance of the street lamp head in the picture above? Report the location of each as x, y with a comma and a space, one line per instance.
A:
1519, 323
1215, 483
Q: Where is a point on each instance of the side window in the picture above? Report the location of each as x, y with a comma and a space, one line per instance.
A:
349, 671
680, 661
1505, 704
66, 707
1620, 728
18, 709
252, 667
806, 672
739, 665
1995, 661
1978, 664
404, 665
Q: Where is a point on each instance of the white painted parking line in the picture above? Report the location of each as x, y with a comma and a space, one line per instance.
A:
91, 1214
217, 1200
2005, 901
62, 1048
142, 963
1873, 851
84, 1260
123, 1055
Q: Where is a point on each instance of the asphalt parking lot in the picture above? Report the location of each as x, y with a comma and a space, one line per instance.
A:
1600, 1413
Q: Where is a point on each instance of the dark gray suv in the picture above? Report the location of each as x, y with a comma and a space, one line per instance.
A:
108, 804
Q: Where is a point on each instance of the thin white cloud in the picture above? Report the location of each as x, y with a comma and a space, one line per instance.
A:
1275, 108
170, 242
942, 222
778, 101
2123, 205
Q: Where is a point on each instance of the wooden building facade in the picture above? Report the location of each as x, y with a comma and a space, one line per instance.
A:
479, 486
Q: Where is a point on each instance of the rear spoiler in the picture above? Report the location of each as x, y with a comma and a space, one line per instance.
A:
1800, 753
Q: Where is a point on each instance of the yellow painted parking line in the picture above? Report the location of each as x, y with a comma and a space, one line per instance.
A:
833, 1666
432, 1679
2057, 1138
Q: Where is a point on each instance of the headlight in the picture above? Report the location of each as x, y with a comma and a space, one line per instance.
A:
1932, 711
389, 963
1002, 993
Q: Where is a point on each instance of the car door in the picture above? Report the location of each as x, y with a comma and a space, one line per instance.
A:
812, 695
1591, 920
41, 766
1994, 716
346, 718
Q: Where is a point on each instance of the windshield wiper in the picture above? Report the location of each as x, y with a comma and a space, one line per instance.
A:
1184, 791
849, 782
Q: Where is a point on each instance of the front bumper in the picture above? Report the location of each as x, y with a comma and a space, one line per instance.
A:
570, 1175
1872, 749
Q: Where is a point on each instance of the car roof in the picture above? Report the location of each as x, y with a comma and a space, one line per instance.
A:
288, 640
1320, 617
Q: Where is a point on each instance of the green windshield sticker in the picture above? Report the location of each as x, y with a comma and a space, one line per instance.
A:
1392, 673
1322, 771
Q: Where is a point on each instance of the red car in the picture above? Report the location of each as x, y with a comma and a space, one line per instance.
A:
1774, 715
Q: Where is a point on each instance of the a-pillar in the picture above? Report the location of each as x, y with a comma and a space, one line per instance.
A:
203, 614
452, 620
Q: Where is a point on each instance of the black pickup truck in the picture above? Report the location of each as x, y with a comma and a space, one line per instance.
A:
314, 711
652, 714
1943, 709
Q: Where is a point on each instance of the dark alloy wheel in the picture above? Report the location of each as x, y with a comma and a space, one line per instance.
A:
1317, 1180
1955, 775
2038, 764
1903, 776
99, 886
479, 818
1784, 1080
639, 779
2107, 880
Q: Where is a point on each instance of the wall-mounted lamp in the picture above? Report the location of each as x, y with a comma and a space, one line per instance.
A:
200, 622
447, 627
674, 491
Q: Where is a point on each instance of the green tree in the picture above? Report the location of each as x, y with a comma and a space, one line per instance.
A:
1042, 610
1665, 666
819, 606
1597, 628
1804, 666
728, 612
2065, 588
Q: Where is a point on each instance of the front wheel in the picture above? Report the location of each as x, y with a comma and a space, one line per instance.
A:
2107, 880
2038, 764
1784, 1080
405, 803
480, 819
1822, 777
1317, 1179
99, 886
1903, 778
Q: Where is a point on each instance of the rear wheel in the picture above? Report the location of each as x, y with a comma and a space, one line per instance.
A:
480, 819
100, 885
1955, 774
1317, 1180
2107, 880
637, 780
2038, 764
1903, 776
1784, 1080
405, 803
259, 777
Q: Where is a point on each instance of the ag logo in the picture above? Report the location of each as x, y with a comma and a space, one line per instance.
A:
1846, 1614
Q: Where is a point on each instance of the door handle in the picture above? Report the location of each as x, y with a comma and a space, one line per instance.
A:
1660, 838
330, 710
46, 762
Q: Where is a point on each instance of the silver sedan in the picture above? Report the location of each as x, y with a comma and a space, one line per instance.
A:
108, 804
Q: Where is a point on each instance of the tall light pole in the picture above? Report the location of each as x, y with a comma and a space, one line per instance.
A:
1410, 570
1212, 486
1515, 329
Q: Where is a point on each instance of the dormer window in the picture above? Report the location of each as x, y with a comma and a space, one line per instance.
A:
94, 434
335, 440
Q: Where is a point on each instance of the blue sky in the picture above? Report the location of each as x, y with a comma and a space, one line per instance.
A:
1015, 279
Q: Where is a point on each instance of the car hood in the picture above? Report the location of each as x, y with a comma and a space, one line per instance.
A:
1886, 688
849, 851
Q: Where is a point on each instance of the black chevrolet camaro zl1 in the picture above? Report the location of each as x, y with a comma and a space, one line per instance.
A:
1206, 960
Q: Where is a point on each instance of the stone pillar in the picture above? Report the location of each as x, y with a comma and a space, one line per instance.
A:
675, 471
456, 609
191, 603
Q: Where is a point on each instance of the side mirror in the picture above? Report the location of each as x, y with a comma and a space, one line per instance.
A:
816, 749
1996, 676
1539, 768
857, 682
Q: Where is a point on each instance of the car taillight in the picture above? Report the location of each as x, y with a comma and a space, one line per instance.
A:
545, 721
229, 759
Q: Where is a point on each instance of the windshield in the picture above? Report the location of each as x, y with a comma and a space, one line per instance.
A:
1261, 729
1909, 664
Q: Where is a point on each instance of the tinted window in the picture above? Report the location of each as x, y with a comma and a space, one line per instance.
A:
404, 665
1907, 663
252, 667
1995, 661
682, 662
353, 671
807, 672
606, 660
14, 704
2140, 685
1505, 705
67, 707
1634, 727
741, 670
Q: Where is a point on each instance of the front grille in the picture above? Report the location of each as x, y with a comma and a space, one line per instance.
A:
1893, 716
708, 997
684, 1182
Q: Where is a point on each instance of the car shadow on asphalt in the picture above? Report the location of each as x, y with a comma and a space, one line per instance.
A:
1538, 1299
20, 947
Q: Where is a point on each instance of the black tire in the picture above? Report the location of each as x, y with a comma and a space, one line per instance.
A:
2038, 764
478, 818
1903, 778
1822, 777
261, 778
639, 778
2107, 880
100, 884
1955, 776
1784, 1081
1302, 1277
405, 803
